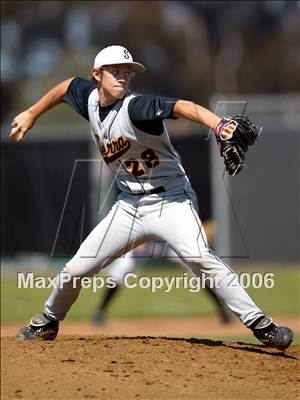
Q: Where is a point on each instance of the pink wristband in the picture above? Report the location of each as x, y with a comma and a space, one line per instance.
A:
219, 127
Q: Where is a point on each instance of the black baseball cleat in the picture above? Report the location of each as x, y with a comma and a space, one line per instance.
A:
273, 335
40, 327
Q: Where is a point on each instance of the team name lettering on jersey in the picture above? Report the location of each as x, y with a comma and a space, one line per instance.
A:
114, 149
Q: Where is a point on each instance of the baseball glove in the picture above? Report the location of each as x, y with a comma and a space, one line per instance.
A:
233, 149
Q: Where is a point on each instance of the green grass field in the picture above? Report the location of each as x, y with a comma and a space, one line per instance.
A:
282, 299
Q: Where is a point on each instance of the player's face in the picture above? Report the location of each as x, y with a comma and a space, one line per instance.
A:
115, 80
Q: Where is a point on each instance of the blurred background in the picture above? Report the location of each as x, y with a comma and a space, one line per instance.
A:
229, 56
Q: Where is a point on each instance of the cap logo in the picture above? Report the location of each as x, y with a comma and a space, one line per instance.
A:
126, 55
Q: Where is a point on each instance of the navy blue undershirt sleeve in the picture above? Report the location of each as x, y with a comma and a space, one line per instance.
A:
77, 95
148, 112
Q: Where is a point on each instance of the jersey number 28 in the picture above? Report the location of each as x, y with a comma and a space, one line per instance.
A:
136, 167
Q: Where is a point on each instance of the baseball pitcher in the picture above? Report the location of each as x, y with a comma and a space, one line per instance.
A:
156, 200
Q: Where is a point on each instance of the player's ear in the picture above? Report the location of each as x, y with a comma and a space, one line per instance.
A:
97, 74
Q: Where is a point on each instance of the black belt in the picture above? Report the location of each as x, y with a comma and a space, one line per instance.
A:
159, 189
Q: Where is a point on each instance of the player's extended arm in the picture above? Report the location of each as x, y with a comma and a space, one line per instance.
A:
233, 134
201, 115
23, 122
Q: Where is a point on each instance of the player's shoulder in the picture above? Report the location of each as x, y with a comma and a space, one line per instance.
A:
142, 98
132, 94
144, 107
130, 98
82, 84
78, 95
136, 99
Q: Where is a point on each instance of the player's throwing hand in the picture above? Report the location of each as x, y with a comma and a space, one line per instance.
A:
21, 124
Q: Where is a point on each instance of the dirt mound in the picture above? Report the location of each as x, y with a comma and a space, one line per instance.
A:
102, 367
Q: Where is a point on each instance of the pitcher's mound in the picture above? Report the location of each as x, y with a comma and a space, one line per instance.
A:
115, 367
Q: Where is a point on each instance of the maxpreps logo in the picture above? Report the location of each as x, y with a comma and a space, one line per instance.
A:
114, 149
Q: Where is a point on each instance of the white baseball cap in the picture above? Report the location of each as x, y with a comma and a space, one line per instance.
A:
116, 55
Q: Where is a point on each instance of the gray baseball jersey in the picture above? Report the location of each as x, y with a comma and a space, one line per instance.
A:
140, 162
